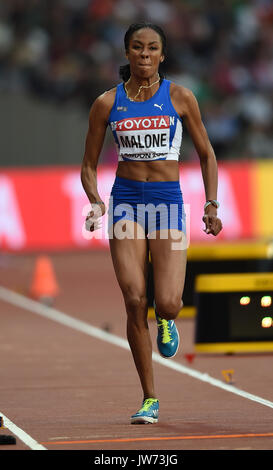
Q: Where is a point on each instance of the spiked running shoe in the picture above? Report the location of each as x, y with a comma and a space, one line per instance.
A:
148, 413
167, 337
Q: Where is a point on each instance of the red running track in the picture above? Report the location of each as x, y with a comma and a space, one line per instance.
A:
65, 389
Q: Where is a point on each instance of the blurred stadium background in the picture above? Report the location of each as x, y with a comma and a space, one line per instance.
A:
57, 56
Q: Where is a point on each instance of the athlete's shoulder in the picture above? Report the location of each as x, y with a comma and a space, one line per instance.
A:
182, 97
181, 92
103, 104
106, 99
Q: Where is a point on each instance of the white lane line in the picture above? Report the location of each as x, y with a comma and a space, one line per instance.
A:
60, 317
22, 435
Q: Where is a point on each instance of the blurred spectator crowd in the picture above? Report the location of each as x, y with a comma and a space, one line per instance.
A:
70, 51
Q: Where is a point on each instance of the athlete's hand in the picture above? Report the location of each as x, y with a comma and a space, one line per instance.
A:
93, 219
212, 222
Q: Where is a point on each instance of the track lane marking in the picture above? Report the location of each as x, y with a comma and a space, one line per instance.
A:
21, 434
163, 438
56, 315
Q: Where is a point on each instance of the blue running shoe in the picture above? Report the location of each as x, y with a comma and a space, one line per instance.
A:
148, 413
167, 337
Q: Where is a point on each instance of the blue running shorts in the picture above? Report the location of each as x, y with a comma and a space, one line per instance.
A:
155, 205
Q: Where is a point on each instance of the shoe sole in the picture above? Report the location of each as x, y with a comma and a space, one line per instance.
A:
144, 420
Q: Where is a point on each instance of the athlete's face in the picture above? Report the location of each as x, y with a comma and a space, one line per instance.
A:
145, 53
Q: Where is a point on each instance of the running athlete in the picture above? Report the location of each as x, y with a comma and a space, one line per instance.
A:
145, 113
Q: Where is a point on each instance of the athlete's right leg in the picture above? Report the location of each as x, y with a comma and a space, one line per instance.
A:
130, 260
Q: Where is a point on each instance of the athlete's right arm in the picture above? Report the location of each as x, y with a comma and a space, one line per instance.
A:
98, 121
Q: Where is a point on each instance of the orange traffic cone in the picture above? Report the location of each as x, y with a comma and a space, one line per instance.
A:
44, 285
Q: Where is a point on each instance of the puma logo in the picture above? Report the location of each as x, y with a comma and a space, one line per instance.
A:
159, 106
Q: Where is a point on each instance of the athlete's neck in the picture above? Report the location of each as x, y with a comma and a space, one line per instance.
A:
140, 89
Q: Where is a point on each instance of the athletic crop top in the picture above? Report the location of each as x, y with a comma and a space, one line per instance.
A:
146, 130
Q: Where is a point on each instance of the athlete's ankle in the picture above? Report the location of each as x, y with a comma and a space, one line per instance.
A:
151, 395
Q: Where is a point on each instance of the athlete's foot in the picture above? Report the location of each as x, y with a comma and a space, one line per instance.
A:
148, 413
167, 336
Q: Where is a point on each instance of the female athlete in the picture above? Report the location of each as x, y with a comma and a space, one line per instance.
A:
146, 212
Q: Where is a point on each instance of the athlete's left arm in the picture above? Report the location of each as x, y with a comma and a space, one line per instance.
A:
190, 113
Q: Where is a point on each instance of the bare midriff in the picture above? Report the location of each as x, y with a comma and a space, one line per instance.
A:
161, 170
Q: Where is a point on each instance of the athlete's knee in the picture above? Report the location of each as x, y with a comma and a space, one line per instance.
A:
169, 307
137, 313
136, 304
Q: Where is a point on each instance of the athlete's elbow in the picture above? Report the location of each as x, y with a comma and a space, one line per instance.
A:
88, 166
206, 154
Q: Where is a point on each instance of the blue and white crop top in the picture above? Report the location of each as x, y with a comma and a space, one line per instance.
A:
146, 130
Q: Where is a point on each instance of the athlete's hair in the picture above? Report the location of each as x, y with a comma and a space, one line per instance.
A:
124, 70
